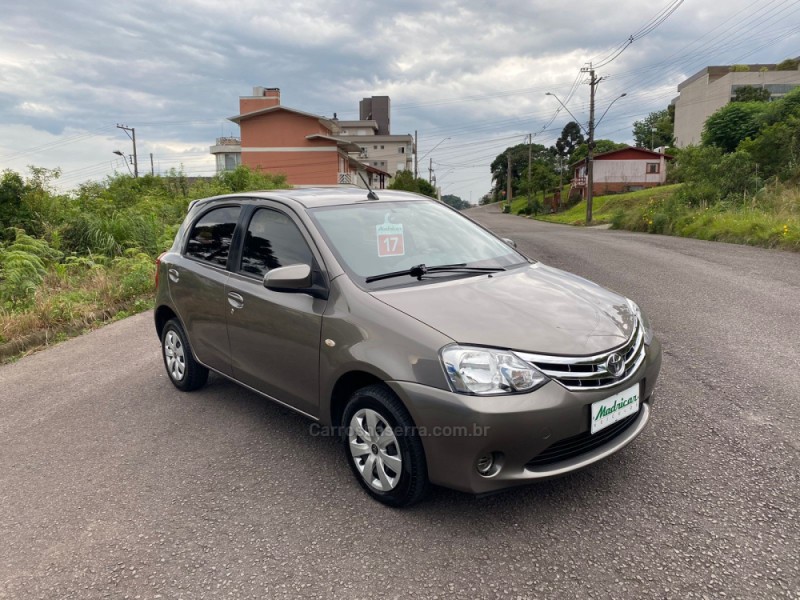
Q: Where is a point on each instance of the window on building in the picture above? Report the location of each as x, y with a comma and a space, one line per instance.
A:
272, 240
374, 147
402, 149
210, 239
381, 146
232, 161
652, 168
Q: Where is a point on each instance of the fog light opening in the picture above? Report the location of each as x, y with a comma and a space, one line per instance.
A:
489, 464
485, 464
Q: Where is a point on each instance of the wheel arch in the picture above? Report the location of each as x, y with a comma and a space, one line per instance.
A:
163, 314
343, 389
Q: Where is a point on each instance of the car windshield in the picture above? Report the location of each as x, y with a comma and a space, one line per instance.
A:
383, 237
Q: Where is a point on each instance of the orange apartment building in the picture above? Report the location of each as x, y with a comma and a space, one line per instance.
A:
300, 145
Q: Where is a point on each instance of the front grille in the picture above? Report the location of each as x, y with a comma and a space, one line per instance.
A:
581, 443
590, 372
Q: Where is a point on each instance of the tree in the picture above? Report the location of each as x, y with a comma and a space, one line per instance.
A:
519, 164
404, 180
13, 210
790, 64
571, 137
749, 93
732, 123
655, 130
455, 202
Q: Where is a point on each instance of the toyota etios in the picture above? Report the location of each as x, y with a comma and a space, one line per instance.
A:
437, 351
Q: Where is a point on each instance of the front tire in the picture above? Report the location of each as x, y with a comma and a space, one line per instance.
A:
183, 370
383, 448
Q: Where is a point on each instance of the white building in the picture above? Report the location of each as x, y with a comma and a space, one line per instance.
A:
624, 170
372, 133
712, 88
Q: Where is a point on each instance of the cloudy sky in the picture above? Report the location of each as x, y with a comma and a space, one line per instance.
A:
471, 73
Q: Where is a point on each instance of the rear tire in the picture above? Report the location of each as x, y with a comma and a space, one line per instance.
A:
183, 370
383, 448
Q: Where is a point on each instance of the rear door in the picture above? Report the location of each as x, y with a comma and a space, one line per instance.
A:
275, 336
197, 285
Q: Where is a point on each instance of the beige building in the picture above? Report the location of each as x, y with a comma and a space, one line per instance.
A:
712, 88
379, 148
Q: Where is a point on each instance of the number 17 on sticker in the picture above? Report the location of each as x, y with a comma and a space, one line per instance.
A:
390, 239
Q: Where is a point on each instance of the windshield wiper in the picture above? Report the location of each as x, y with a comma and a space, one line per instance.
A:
420, 270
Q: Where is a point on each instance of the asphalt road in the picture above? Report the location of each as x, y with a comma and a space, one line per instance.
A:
113, 484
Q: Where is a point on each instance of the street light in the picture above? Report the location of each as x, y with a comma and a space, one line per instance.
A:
430, 165
609, 106
590, 134
125, 160
131, 133
434, 148
564, 106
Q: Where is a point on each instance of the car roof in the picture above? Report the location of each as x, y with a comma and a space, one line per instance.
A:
313, 197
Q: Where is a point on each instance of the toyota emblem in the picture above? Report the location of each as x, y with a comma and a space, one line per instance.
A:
615, 364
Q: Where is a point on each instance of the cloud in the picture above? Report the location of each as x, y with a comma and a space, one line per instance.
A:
472, 71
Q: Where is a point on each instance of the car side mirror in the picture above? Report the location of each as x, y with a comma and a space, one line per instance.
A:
510, 242
288, 279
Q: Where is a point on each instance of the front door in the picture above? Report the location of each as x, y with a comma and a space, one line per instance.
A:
274, 336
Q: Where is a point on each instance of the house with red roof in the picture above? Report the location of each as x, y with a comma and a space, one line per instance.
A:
624, 170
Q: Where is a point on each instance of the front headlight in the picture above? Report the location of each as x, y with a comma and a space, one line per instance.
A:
648, 330
485, 372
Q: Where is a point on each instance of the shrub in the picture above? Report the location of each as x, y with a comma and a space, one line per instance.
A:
23, 268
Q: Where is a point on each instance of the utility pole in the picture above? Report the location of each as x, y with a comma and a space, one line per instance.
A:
508, 181
530, 142
593, 81
152, 170
131, 133
416, 156
430, 170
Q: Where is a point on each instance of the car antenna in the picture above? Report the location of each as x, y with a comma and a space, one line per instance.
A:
371, 195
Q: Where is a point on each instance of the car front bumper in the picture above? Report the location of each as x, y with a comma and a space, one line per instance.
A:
456, 430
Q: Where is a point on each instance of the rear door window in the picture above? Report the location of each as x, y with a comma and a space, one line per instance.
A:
211, 237
272, 240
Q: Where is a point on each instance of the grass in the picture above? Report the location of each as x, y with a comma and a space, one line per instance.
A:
770, 219
604, 207
520, 202
70, 302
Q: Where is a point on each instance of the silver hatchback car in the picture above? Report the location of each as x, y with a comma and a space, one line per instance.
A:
437, 352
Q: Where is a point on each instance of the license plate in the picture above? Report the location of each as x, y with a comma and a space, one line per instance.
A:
614, 408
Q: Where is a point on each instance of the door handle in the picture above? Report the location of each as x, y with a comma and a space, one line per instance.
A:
235, 300
174, 275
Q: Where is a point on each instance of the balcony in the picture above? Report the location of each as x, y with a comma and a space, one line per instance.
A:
578, 182
228, 141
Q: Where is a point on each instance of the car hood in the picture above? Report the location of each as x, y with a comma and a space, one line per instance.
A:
533, 309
